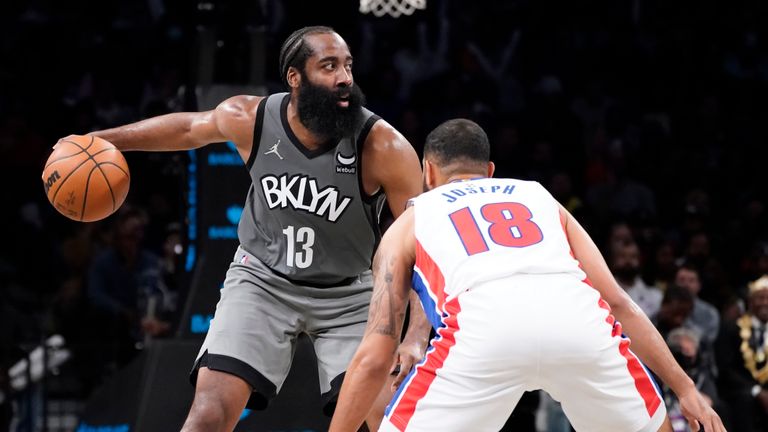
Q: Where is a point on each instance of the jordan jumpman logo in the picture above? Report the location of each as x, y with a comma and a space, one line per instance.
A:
273, 149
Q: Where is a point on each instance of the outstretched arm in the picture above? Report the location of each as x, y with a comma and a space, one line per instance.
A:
647, 343
232, 120
368, 370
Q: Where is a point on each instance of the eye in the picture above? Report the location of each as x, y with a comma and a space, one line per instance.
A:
329, 66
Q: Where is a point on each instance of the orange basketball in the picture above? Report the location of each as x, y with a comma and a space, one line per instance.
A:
86, 178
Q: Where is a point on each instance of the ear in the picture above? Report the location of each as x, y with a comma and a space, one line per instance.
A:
491, 169
293, 77
429, 174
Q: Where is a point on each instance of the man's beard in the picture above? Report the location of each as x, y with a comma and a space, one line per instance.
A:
319, 109
626, 274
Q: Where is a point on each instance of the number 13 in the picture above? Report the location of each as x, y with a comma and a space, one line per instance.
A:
510, 226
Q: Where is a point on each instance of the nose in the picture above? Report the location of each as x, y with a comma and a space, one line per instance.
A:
344, 77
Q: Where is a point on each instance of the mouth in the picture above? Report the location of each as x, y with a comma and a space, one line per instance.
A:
343, 101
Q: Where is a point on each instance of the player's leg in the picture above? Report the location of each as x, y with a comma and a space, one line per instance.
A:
336, 325
219, 400
666, 426
588, 366
247, 352
475, 370
611, 393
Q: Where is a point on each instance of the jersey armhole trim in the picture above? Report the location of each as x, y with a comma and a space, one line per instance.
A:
258, 124
367, 126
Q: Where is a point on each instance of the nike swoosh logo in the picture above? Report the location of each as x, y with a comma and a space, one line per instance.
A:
346, 160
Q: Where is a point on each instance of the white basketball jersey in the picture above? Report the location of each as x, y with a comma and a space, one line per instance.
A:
512, 313
485, 229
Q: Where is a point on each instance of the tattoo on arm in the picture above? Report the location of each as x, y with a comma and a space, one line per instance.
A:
386, 314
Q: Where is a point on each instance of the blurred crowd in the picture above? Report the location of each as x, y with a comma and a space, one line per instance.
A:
643, 118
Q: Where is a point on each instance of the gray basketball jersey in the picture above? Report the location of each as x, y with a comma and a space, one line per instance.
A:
307, 216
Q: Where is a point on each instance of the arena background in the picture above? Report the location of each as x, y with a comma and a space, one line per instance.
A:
646, 112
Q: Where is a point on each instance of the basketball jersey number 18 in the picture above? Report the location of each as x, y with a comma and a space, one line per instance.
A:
510, 226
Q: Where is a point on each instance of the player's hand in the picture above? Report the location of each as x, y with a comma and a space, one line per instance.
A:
64, 139
698, 413
408, 354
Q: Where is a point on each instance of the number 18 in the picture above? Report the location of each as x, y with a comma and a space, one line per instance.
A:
510, 226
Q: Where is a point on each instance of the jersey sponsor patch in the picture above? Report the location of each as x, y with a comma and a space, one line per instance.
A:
346, 164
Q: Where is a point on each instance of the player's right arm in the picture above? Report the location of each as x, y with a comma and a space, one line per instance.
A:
647, 343
367, 372
232, 120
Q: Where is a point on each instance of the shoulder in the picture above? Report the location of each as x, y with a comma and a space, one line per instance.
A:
388, 150
653, 292
383, 138
707, 307
239, 106
419, 200
235, 117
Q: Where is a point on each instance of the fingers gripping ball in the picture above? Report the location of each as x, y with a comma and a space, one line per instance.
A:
86, 178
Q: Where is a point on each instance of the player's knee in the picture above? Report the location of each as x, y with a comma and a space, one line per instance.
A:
209, 412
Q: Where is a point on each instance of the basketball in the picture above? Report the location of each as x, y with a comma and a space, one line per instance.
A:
86, 178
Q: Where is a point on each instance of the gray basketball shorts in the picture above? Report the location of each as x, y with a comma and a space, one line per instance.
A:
259, 317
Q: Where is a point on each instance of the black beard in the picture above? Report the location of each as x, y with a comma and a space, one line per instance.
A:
319, 109
626, 274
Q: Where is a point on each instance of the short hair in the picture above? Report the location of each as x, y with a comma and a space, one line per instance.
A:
689, 266
458, 140
674, 336
677, 293
295, 51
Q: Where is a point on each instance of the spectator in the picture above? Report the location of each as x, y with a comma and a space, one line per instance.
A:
561, 187
742, 349
704, 319
123, 285
704, 316
11, 336
676, 307
665, 268
625, 266
685, 346
698, 254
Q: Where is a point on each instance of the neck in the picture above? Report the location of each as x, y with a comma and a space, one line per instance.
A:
464, 177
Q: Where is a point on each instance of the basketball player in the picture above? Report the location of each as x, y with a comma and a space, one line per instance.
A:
321, 165
519, 296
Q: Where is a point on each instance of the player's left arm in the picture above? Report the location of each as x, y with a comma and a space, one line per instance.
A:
395, 167
647, 343
368, 370
391, 163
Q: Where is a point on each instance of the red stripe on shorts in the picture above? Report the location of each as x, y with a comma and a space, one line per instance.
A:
427, 372
642, 380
